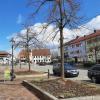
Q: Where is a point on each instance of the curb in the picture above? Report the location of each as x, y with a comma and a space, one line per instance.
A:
84, 98
43, 95
37, 75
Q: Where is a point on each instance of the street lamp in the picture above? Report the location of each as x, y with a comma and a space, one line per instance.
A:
12, 61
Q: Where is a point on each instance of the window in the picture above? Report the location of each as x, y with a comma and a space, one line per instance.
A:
89, 41
77, 45
96, 68
72, 46
71, 52
77, 51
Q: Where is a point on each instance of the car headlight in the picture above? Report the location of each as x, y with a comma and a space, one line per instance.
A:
68, 71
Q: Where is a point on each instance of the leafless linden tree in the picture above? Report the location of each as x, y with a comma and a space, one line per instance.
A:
61, 13
27, 40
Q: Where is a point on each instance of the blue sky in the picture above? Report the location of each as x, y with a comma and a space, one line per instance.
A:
14, 12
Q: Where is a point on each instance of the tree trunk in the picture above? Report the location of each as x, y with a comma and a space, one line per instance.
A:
95, 55
28, 59
20, 63
27, 46
62, 53
61, 40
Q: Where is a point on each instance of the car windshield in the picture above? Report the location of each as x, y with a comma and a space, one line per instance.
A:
96, 67
68, 66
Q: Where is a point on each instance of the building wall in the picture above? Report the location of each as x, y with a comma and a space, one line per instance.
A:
37, 59
93, 48
87, 50
76, 50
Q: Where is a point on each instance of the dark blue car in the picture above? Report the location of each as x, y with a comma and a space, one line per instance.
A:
69, 70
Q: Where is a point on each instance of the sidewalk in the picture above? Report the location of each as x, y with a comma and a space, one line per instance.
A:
13, 90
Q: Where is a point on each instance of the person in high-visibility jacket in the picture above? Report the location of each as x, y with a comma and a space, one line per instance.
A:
7, 75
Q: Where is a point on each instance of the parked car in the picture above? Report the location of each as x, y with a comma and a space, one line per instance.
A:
69, 70
41, 63
94, 73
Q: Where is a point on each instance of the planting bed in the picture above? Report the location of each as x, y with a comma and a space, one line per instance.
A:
67, 89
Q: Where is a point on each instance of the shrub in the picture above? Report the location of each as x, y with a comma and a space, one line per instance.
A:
88, 64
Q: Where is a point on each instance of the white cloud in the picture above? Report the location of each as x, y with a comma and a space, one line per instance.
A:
48, 34
16, 52
19, 19
89, 27
11, 36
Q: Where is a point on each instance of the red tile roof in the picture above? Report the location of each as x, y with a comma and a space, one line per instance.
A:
35, 52
41, 52
4, 54
79, 39
93, 35
22, 53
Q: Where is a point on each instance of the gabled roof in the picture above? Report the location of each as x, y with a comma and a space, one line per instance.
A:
78, 40
97, 33
41, 52
35, 52
69, 42
4, 54
86, 37
23, 53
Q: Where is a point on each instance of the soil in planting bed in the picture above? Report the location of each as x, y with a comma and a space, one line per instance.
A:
67, 89
27, 73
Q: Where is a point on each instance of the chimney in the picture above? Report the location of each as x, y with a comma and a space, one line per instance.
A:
77, 37
94, 31
84, 35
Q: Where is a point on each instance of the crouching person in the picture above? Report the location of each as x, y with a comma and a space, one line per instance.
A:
7, 75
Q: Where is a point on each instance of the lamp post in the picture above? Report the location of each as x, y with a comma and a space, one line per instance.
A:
12, 61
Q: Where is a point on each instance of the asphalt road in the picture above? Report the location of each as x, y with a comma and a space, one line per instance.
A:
82, 72
36, 67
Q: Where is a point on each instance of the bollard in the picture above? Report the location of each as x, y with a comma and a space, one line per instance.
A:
48, 74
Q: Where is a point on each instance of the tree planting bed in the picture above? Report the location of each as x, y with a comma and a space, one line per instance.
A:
67, 89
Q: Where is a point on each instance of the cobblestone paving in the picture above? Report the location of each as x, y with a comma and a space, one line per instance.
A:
15, 91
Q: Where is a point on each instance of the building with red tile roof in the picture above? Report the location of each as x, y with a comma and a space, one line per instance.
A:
78, 48
23, 54
4, 54
4, 57
36, 55
41, 52
41, 55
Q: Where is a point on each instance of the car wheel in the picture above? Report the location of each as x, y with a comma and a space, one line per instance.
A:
94, 80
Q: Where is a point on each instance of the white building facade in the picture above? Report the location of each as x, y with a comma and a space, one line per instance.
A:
76, 49
37, 55
41, 55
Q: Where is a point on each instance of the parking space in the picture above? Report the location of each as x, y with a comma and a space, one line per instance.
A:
82, 72
82, 75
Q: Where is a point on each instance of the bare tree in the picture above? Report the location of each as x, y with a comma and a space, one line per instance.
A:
27, 40
62, 13
95, 50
